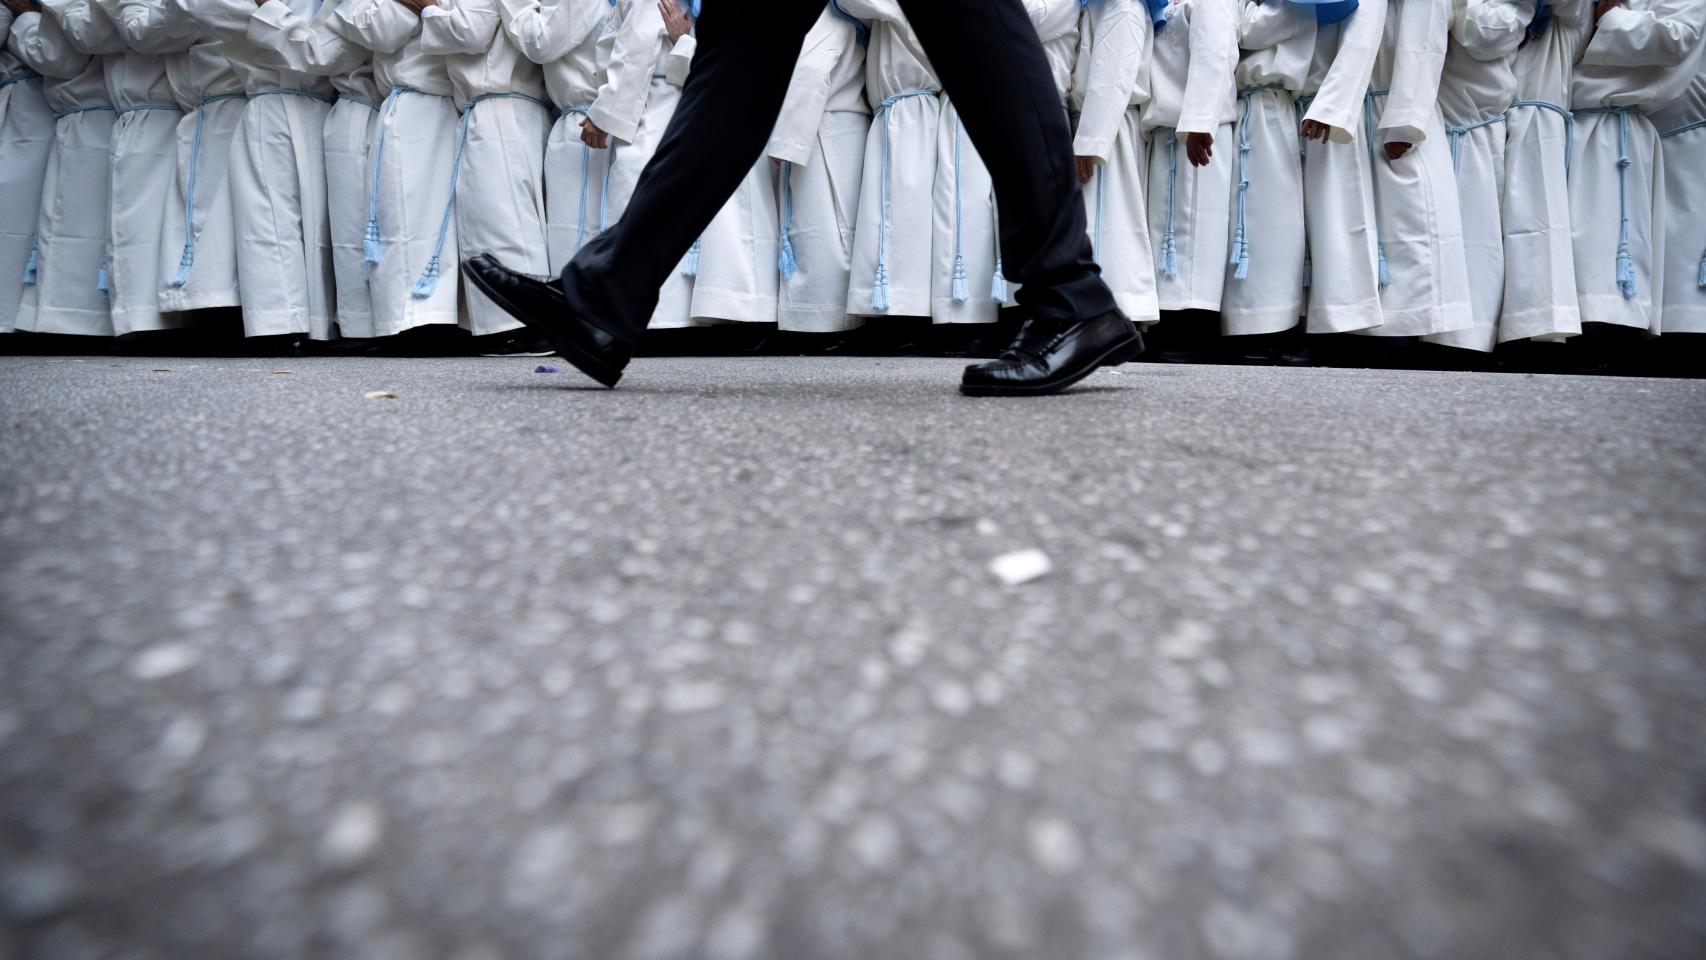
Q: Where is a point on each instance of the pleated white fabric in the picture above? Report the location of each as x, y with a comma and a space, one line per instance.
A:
198, 247
964, 244
736, 279
1682, 132
26, 139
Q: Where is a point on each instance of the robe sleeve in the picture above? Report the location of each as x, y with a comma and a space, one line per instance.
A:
5, 24
1118, 48
546, 32
222, 18
1492, 29
1053, 18
1264, 26
146, 28
302, 45
86, 25
678, 62
1416, 70
1664, 35
627, 83
37, 40
459, 26
808, 92
1339, 102
1214, 57
383, 26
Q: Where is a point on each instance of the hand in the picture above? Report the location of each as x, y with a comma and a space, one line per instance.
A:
416, 6
1604, 7
676, 22
21, 7
1086, 169
1199, 147
592, 136
1316, 130
1396, 149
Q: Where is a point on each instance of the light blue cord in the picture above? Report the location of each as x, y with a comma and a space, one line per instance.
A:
1700, 279
1456, 134
19, 77
1303, 103
62, 114
369, 104
149, 106
959, 276
586, 173
1625, 259
276, 91
187, 260
880, 284
370, 240
785, 261
1569, 123
1169, 238
1385, 272
428, 280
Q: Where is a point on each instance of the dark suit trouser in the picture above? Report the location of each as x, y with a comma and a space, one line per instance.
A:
992, 66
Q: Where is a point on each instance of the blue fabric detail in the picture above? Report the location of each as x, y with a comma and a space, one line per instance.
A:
785, 261
861, 30
1456, 134
1569, 123
33, 264
1169, 237
19, 77
959, 292
1700, 279
1330, 11
187, 259
1384, 272
1625, 258
148, 106
880, 283
370, 249
62, 114
690, 266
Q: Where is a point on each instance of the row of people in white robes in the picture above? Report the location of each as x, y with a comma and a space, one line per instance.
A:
363, 145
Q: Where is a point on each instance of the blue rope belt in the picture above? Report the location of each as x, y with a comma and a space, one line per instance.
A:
785, 260
19, 77
1240, 256
148, 106
586, 176
62, 114
353, 98
276, 91
1384, 272
1625, 260
428, 281
960, 294
1456, 132
1569, 123
1303, 103
1700, 278
187, 260
1169, 235
880, 284
32, 266
370, 240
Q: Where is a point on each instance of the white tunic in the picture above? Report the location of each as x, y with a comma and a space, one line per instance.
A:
26, 138
1477, 86
1421, 227
1682, 129
819, 141
562, 36
1192, 91
1109, 88
1264, 271
892, 267
311, 45
198, 249
1540, 293
1338, 176
409, 164
499, 172
144, 165
643, 75
69, 45
1643, 55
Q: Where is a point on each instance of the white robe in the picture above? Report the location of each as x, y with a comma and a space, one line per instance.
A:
819, 140
144, 164
643, 76
1642, 56
1192, 91
1477, 86
1540, 291
1110, 86
1682, 131
1421, 226
562, 36
409, 164
500, 180
311, 45
1338, 176
63, 286
1264, 271
892, 269
26, 139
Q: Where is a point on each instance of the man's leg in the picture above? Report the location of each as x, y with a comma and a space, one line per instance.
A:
746, 55
1015, 119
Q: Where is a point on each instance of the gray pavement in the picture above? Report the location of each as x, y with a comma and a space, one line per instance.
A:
1331, 663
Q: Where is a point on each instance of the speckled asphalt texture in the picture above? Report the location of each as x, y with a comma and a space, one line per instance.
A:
1331, 663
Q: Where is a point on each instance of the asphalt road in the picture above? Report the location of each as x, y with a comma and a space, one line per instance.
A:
1330, 663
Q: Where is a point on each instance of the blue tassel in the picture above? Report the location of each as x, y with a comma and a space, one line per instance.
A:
785, 260
101, 279
370, 242
961, 295
998, 286
1385, 271
1625, 272
428, 282
880, 289
31, 265
1702, 278
690, 268
185, 262
1169, 259
1243, 270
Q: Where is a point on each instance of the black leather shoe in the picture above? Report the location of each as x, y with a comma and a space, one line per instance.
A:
1032, 337
540, 305
1043, 361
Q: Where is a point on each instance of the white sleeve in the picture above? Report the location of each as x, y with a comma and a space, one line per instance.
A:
146, 28
459, 26
1492, 29
1119, 45
301, 45
678, 62
546, 31
383, 26
1663, 35
86, 25
1264, 26
621, 101
1339, 102
1416, 70
808, 90
222, 19
1214, 58
37, 40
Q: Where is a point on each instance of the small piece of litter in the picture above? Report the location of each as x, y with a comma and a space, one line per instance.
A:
380, 395
544, 369
281, 373
162, 370
1021, 566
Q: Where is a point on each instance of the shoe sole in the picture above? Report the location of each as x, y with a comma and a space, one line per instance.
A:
581, 360
1129, 348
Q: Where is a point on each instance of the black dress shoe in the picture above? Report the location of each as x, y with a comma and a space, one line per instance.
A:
540, 305
1046, 361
